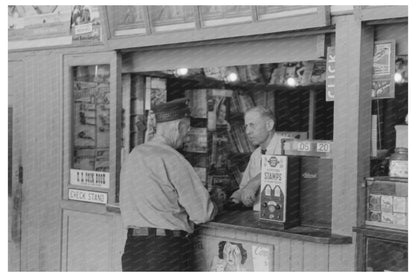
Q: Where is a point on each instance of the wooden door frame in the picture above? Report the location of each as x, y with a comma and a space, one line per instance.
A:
113, 59
15, 193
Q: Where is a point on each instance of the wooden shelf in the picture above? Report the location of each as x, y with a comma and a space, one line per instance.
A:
200, 81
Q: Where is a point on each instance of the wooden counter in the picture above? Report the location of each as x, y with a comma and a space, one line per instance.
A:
297, 249
247, 221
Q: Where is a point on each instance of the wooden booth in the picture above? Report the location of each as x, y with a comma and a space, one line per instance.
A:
80, 91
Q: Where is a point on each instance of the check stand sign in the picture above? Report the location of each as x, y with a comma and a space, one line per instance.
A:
87, 196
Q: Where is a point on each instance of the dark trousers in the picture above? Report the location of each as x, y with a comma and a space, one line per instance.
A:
157, 253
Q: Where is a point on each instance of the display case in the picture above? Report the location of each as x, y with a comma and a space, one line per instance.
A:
383, 222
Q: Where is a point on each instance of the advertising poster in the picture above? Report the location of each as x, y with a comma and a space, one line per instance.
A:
273, 188
383, 69
225, 254
330, 74
85, 23
38, 22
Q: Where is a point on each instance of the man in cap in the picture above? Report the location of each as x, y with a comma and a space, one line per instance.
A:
161, 197
260, 129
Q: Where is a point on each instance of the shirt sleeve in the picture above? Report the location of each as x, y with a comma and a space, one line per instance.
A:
247, 175
193, 196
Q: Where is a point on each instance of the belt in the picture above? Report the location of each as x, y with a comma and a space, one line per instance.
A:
145, 231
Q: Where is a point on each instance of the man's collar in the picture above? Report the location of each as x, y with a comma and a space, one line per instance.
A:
158, 139
273, 143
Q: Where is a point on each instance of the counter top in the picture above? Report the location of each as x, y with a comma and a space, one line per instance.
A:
248, 221
383, 233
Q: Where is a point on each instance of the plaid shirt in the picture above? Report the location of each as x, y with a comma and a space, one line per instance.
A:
159, 188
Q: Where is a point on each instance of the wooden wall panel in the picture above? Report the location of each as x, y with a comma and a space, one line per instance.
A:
352, 120
16, 95
289, 255
283, 254
87, 242
341, 257
296, 255
293, 49
41, 163
118, 240
315, 257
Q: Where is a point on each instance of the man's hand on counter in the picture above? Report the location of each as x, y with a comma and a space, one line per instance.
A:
247, 195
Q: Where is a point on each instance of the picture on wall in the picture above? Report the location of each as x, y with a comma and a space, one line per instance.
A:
237, 255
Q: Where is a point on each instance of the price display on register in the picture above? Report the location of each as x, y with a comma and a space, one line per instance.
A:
313, 148
304, 146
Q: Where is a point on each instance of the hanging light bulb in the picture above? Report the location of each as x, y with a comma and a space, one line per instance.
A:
291, 82
398, 78
181, 71
231, 77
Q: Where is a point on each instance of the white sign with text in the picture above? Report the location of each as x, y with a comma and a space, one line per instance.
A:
87, 196
96, 179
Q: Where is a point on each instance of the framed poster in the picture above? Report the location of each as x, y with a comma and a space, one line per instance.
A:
383, 69
85, 23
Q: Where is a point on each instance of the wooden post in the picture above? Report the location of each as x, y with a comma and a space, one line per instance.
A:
312, 112
352, 119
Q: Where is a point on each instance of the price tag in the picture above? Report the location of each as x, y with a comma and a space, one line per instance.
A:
323, 147
304, 146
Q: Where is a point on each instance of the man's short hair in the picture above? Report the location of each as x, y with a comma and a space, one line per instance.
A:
263, 111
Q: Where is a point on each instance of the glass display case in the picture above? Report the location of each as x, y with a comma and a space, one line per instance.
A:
382, 225
386, 203
91, 124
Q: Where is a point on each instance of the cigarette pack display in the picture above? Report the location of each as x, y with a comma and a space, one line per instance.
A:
374, 202
400, 219
375, 216
387, 218
399, 204
387, 203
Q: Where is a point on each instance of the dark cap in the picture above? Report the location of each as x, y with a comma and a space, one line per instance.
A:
172, 110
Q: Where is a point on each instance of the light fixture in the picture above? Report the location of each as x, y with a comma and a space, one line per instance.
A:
231, 77
181, 71
398, 78
291, 82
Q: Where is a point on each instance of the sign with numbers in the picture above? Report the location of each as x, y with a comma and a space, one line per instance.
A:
314, 148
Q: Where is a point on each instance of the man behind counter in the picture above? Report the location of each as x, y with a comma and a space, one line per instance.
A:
260, 129
161, 197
